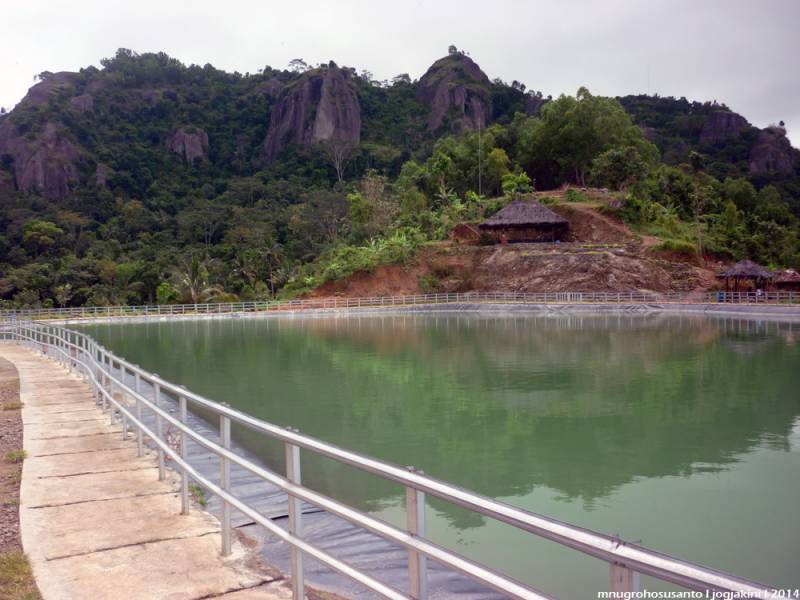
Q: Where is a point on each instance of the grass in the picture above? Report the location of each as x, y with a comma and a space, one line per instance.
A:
16, 577
15, 477
681, 247
198, 494
13, 406
16, 456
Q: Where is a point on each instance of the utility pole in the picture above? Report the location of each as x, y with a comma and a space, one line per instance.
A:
480, 164
697, 224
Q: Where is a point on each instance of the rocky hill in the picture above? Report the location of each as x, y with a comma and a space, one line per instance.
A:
319, 106
58, 136
112, 179
727, 141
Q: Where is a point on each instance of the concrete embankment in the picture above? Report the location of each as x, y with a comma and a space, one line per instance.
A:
95, 520
742, 311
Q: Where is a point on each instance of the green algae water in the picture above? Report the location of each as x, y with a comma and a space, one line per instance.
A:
681, 432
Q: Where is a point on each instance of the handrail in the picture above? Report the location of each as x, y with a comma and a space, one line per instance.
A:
83, 353
574, 297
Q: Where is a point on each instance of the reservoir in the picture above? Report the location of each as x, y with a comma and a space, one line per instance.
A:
682, 432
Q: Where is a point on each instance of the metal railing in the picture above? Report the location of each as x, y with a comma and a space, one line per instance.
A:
118, 388
783, 298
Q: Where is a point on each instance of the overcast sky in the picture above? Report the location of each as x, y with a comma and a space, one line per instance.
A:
741, 52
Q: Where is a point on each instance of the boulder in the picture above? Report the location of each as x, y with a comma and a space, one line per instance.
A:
455, 85
772, 153
649, 133
101, 174
81, 104
151, 96
47, 163
191, 143
320, 105
720, 125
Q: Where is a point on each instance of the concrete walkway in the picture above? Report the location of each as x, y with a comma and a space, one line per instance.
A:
96, 522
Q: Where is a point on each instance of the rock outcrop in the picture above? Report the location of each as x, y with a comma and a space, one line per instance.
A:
82, 104
321, 105
42, 92
533, 104
455, 85
271, 87
191, 143
720, 125
101, 174
772, 153
47, 163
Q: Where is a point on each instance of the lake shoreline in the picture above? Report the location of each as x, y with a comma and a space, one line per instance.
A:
747, 311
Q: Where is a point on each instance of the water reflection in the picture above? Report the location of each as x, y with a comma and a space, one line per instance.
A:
500, 405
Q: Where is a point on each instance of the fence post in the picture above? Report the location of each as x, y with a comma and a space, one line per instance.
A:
415, 524
295, 520
623, 579
184, 475
123, 400
139, 434
159, 430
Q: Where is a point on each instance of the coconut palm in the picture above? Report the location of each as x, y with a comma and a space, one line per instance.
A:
190, 277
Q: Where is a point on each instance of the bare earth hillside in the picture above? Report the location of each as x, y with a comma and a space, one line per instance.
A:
601, 255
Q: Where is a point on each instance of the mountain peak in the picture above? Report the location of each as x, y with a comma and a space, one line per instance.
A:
455, 82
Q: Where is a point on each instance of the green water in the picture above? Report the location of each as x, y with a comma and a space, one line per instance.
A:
680, 432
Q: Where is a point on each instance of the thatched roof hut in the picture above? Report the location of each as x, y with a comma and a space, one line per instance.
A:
523, 213
526, 221
788, 279
746, 270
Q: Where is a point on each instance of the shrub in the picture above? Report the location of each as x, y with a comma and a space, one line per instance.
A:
573, 195
16, 456
681, 247
428, 283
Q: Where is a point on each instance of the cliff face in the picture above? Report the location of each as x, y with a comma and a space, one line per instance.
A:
47, 163
721, 125
772, 153
321, 105
455, 83
190, 143
41, 93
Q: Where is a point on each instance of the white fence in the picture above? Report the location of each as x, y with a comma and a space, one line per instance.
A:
777, 298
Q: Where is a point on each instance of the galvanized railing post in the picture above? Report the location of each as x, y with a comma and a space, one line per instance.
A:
225, 483
137, 379
415, 524
111, 400
184, 474
293, 474
159, 430
123, 400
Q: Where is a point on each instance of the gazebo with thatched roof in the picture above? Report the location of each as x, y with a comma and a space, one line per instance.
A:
525, 221
787, 280
746, 270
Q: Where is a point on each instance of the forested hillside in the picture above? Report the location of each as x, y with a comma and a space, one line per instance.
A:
151, 181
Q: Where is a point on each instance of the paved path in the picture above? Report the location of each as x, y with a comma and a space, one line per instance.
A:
96, 522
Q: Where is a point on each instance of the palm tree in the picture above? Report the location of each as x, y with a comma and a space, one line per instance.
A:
190, 277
